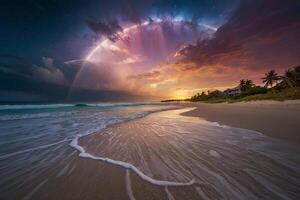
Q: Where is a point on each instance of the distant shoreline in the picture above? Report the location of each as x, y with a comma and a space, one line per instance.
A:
252, 95
275, 119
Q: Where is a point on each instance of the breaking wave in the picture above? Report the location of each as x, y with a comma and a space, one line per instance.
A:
55, 106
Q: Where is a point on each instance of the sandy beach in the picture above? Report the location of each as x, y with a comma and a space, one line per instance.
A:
154, 152
222, 162
276, 119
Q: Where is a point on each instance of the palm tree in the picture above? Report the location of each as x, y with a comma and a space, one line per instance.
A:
270, 78
288, 79
296, 71
242, 85
245, 84
248, 84
242, 82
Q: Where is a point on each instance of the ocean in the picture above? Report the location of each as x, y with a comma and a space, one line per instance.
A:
47, 152
25, 128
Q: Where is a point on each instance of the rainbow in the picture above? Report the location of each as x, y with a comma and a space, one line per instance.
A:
106, 43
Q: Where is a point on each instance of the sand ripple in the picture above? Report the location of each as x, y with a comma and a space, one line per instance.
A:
224, 162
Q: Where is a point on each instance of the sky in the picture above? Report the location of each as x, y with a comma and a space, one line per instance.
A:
141, 50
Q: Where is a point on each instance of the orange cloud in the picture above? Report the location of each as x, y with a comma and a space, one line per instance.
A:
153, 75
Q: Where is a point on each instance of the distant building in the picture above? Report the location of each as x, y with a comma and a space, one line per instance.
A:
216, 93
233, 91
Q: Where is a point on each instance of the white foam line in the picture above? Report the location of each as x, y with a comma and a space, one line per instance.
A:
32, 149
84, 154
169, 195
128, 185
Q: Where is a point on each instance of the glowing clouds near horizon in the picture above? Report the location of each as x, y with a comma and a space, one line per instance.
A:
140, 61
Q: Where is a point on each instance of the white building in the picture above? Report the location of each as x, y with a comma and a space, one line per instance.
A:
233, 91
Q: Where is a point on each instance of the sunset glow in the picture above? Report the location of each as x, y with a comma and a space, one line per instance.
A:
137, 58
154, 52
149, 99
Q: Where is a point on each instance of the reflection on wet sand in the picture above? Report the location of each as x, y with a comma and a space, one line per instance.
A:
223, 162
161, 156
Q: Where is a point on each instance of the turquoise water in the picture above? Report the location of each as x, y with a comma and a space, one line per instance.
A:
26, 127
33, 137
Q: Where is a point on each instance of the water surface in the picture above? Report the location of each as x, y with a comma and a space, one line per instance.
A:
52, 148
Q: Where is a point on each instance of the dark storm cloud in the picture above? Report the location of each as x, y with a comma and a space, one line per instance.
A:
110, 29
56, 28
253, 25
20, 78
22, 81
46, 72
136, 11
48, 33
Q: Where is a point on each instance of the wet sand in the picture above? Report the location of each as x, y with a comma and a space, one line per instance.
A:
222, 162
276, 119
206, 160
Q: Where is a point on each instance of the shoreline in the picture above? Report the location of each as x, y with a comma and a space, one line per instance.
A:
157, 156
158, 144
272, 118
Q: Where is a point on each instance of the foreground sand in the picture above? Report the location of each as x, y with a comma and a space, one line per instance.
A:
223, 162
276, 119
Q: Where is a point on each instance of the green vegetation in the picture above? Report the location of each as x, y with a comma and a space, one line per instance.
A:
276, 87
277, 95
245, 84
270, 78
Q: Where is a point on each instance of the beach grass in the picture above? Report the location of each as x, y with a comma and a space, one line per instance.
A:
276, 95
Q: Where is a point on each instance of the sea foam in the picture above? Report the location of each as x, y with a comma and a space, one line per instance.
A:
84, 154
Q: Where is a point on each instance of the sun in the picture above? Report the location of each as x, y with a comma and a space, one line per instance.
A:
180, 94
